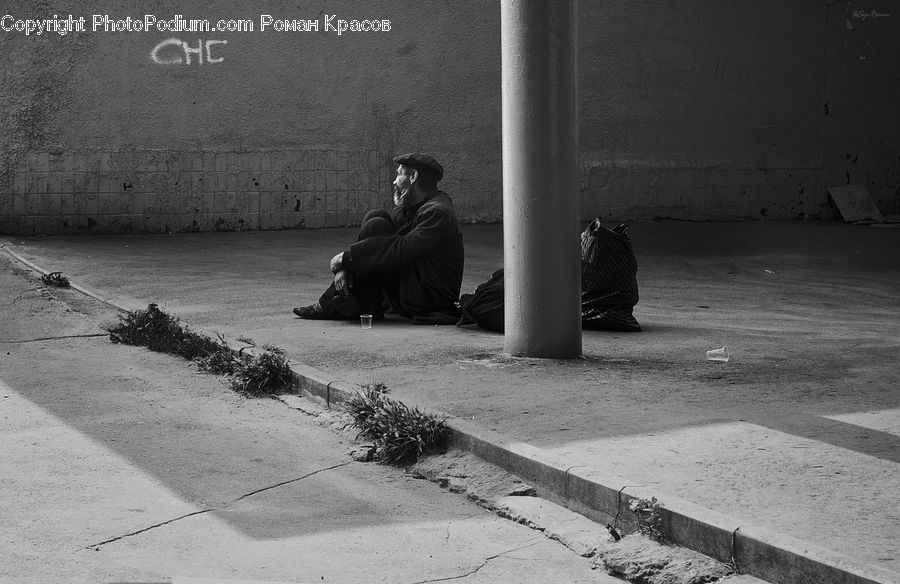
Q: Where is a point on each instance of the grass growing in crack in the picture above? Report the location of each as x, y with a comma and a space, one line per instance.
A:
649, 518
220, 362
266, 373
401, 434
158, 331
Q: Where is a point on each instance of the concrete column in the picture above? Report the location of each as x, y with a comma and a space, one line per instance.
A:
541, 246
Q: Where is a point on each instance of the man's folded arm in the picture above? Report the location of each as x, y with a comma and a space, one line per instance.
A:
393, 252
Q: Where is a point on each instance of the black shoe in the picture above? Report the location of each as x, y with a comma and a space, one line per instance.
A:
311, 312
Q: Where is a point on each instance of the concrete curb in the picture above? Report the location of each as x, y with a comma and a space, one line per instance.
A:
602, 496
755, 551
123, 305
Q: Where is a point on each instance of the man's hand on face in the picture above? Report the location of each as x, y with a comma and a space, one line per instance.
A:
342, 282
337, 263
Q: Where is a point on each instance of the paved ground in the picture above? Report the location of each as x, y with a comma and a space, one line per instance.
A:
122, 465
798, 433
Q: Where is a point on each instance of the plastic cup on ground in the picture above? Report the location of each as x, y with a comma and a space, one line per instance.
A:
720, 355
365, 320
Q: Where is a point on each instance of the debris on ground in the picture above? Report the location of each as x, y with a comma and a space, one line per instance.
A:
636, 558
55, 279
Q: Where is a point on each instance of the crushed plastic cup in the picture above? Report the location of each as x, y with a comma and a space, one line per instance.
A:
365, 320
720, 355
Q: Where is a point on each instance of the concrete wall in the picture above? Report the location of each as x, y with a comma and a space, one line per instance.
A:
739, 110
861, 125
688, 110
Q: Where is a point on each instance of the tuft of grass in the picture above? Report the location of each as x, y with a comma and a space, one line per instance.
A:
158, 331
220, 362
267, 373
55, 279
401, 434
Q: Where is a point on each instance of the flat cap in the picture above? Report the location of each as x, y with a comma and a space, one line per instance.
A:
423, 161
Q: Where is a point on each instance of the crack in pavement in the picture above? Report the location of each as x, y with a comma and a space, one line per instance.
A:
281, 484
96, 546
476, 569
55, 338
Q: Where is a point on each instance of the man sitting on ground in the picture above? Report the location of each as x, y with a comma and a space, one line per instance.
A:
409, 260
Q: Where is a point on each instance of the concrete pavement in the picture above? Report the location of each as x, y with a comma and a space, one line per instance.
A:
785, 457
118, 464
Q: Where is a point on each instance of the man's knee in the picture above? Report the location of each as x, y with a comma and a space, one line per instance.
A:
377, 213
376, 223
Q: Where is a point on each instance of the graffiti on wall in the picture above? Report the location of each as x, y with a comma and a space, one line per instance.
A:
174, 51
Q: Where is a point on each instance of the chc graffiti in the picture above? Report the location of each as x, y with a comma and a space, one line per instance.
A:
177, 52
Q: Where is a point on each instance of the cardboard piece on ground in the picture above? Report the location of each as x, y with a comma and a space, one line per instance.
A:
855, 204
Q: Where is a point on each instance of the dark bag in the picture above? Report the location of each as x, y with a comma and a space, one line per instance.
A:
609, 287
484, 307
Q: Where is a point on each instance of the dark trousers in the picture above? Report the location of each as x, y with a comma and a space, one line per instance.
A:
373, 291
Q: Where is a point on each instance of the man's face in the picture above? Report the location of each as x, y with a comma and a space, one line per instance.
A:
402, 184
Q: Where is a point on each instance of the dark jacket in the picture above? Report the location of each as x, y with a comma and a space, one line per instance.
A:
426, 253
